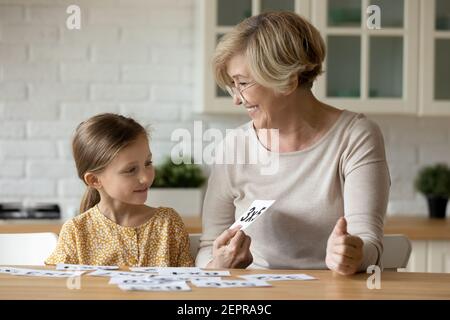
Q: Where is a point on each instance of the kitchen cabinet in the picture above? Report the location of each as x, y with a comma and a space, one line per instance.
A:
400, 68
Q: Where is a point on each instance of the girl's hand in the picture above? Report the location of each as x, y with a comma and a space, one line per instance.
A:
344, 251
231, 250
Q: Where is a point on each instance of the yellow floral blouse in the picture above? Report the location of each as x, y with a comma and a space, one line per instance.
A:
93, 239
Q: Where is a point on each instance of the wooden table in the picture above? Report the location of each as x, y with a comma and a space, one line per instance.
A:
415, 228
419, 228
193, 225
394, 285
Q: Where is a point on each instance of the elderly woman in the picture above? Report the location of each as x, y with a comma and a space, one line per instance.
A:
332, 183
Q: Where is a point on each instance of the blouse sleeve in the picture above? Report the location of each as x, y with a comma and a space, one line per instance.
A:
65, 251
366, 189
184, 258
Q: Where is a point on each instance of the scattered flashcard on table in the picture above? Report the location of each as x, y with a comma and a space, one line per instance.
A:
138, 281
40, 272
74, 267
230, 284
124, 280
278, 277
169, 286
115, 273
201, 273
256, 209
165, 270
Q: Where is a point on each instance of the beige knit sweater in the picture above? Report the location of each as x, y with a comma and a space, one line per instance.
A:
344, 173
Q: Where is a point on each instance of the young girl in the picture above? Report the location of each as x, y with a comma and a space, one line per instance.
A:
113, 159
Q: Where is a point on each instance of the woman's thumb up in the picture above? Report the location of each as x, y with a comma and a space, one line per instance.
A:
340, 229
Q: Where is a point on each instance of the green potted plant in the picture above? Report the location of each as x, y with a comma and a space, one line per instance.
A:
178, 186
434, 183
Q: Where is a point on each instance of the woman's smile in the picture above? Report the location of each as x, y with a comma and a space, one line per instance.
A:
252, 109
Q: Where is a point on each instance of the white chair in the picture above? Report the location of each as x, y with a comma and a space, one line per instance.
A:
396, 252
194, 241
26, 248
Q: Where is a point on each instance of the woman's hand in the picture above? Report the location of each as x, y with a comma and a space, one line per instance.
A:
231, 250
344, 251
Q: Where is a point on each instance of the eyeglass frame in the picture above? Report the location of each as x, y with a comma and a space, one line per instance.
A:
235, 91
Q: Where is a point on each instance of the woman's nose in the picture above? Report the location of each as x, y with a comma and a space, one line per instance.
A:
237, 101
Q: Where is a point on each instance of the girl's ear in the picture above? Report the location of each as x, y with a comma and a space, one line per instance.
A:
92, 180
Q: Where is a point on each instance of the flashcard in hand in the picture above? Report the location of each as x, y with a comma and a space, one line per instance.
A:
256, 209
74, 267
278, 277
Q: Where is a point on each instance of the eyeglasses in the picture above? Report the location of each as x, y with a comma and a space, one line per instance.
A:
237, 92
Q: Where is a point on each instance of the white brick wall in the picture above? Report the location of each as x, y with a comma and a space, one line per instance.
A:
134, 57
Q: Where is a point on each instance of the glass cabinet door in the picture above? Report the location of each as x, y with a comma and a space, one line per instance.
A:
442, 51
365, 66
385, 67
442, 21
277, 5
442, 69
435, 58
343, 66
231, 12
343, 62
344, 13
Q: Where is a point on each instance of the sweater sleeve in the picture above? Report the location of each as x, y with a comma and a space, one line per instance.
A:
366, 189
218, 211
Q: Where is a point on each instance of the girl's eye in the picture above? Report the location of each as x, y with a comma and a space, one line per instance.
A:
242, 84
130, 170
148, 163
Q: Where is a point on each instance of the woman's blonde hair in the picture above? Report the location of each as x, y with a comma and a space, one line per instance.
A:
279, 47
95, 144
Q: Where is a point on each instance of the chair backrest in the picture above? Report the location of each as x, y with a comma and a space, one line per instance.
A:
26, 248
194, 240
396, 252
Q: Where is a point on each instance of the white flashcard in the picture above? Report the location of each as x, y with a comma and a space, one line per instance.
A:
10, 270
256, 209
230, 284
202, 273
125, 280
170, 286
144, 269
74, 267
40, 272
115, 273
278, 277
165, 270
139, 281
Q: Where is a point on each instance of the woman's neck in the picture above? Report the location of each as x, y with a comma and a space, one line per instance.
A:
301, 121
